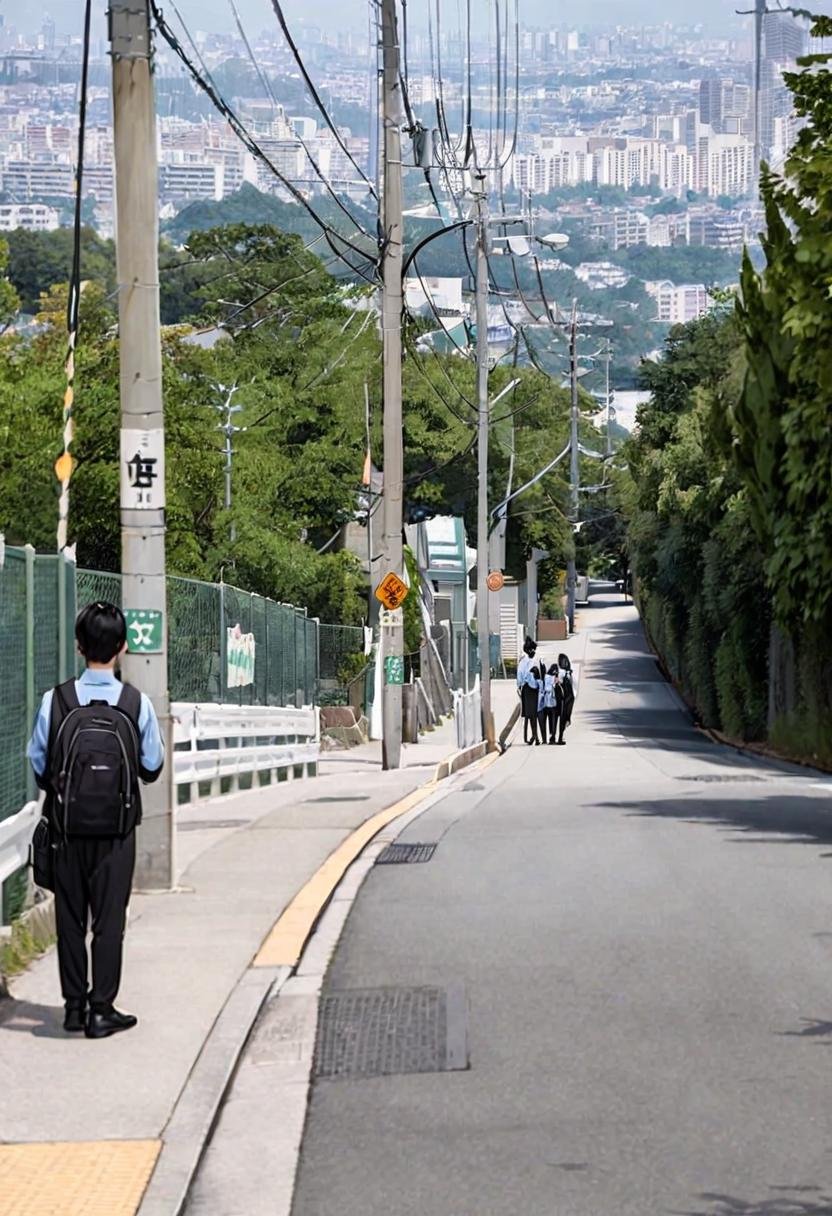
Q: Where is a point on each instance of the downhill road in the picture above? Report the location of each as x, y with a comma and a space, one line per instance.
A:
643, 927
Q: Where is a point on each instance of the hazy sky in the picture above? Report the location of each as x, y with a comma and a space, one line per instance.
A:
215, 14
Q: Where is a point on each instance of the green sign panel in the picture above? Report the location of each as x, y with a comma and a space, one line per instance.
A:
145, 632
394, 669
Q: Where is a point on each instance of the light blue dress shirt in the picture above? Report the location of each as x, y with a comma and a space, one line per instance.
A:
98, 685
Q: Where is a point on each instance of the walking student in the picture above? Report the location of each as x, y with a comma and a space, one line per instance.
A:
552, 697
568, 690
94, 738
527, 686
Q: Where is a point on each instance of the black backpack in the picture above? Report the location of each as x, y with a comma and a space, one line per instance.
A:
93, 764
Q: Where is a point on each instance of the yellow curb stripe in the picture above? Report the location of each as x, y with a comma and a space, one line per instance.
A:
288, 936
75, 1178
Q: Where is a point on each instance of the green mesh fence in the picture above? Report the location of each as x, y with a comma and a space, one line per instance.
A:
342, 660
13, 698
199, 616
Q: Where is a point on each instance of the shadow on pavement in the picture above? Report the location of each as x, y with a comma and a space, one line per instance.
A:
41, 1021
802, 819
789, 1201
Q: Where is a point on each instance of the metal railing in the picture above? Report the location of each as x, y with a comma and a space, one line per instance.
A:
468, 716
215, 743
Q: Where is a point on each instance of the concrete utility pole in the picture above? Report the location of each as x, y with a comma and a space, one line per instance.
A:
574, 464
608, 397
483, 423
392, 628
142, 420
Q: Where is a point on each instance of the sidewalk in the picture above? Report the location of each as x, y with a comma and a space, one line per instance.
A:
189, 978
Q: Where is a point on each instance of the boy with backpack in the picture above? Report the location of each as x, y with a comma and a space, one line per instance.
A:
93, 739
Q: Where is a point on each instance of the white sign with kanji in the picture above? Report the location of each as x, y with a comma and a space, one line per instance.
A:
142, 470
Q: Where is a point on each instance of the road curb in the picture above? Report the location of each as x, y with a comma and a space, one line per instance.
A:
288, 1097
188, 1132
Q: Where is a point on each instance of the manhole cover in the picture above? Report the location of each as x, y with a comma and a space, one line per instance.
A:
719, 778
341, 798
199, 825
384, 1032
405, 854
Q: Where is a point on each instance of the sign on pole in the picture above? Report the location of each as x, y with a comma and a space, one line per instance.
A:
142, 470
392, 591
144, 631
495, 580
394, 669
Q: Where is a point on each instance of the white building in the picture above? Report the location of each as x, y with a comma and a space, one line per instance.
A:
34, 217
601, 275
677, 303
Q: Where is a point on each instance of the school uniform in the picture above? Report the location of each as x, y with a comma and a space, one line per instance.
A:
94, 876
551, 705
527, 684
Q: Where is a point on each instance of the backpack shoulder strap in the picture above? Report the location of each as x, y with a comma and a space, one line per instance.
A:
130, 703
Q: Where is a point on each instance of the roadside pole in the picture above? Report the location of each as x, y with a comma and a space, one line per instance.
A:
143, 583
574, 465
392, 622
483, 423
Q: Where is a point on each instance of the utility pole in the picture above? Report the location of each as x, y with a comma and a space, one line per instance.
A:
143, 583
574, 464
608, 397
392, 623
483, 423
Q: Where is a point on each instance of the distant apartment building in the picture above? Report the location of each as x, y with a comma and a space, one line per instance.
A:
34, 217
600, 276
30, 181
678, 303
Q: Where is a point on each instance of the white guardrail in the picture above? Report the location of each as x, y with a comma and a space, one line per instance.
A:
468, 716
211, 742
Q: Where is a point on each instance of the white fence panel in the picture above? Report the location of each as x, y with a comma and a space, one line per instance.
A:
468, 716
247, 739
15, 838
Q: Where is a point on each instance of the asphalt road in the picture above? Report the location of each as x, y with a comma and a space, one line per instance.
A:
643, 926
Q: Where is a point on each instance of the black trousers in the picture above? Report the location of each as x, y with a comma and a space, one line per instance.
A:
93, 879
552, 716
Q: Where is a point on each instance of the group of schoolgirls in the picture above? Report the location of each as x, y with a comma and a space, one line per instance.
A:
547, 697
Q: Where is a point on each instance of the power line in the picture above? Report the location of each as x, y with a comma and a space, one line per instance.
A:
276, 5
209, 87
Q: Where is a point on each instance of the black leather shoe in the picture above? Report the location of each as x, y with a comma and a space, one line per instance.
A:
75, 1017
102, 1025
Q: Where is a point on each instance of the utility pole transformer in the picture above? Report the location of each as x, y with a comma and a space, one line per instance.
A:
392, 622
142, 420
574, 465
483, 423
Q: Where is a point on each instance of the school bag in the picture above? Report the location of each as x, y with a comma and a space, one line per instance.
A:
93, 764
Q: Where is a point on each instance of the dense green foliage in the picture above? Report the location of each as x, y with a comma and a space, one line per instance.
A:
300, 347
731, 502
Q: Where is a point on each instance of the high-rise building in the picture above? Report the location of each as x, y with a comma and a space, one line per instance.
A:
784, 39
710, 103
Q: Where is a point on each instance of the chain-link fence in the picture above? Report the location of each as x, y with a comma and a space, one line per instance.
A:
342, 661
37, 607
200, 615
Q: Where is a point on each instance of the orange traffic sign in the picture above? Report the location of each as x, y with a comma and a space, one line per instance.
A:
495, 581
392, 591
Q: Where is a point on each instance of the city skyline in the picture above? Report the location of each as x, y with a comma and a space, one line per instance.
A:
216, 16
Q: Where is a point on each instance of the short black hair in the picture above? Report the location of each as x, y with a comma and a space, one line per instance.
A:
100, 631
530, 646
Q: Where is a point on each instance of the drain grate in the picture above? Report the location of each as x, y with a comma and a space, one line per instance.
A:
199, 825
340, 798
405, 854
384, 1032
720, 778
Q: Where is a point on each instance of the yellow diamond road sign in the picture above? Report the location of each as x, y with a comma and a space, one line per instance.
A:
392, 591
